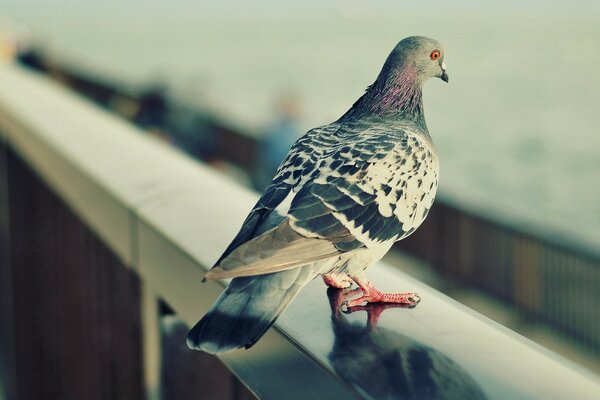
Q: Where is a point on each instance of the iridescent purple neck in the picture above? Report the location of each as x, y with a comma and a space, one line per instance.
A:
398, 96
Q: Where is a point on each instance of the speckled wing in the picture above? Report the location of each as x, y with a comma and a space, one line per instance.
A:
378, 187
340, 188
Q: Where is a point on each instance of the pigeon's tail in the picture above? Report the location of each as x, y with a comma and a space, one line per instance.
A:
246, 309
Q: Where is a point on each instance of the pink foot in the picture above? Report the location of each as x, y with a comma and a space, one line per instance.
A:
338, 281
372, 295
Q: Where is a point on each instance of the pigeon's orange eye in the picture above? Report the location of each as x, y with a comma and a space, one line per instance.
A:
435, 55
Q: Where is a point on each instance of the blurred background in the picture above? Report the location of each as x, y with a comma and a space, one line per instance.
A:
516, 231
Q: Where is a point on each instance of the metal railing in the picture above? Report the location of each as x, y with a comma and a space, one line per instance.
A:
101, 220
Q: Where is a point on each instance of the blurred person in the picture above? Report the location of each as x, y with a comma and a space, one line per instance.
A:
31, 56
278, 139
152, 114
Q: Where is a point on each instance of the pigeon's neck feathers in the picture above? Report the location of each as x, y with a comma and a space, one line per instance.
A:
395, 94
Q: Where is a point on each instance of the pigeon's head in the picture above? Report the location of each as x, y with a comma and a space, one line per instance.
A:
397, 90
418, 57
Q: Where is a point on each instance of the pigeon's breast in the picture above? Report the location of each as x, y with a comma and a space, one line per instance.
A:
405, 183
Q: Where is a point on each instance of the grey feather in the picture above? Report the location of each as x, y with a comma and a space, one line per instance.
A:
246, 309
278, 249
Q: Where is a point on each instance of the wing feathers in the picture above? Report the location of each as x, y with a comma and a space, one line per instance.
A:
278, 249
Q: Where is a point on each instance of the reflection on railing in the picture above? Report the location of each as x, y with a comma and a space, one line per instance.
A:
389, 365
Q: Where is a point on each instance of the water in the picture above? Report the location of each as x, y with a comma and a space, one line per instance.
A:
518, 127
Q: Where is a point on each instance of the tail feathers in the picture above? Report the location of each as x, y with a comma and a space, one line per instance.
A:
246, 310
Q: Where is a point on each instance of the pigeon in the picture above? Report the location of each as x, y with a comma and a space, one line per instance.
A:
341, 197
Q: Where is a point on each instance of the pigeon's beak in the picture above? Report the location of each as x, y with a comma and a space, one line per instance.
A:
444, 76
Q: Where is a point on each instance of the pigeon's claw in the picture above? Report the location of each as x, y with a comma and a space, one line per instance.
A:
373, 295
346, 295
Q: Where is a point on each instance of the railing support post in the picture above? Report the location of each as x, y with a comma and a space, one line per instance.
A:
8, 387
152, 343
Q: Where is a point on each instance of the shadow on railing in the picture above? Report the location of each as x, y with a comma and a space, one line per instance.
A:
100, 222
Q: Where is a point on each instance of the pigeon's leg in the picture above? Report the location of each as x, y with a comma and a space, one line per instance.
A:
338, 281
372, 295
